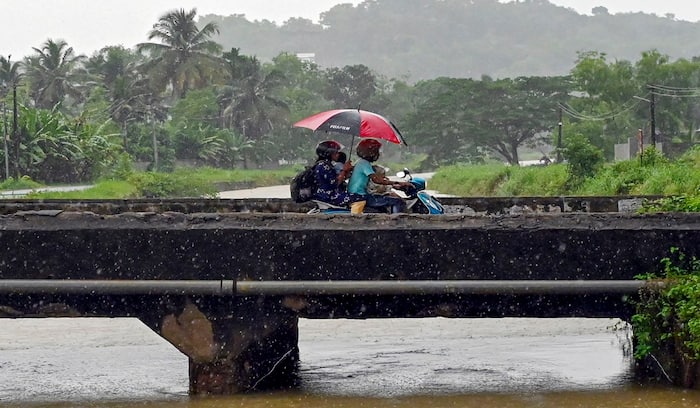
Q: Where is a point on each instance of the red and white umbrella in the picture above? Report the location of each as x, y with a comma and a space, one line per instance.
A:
354, 122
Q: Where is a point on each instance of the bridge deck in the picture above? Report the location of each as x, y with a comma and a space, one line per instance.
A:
293, 247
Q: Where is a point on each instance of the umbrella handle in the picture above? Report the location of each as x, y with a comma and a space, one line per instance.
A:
352, 142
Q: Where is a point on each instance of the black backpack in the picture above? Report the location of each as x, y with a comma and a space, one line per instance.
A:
303, 185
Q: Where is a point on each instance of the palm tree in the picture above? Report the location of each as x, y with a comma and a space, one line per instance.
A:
131, 98
54, 73
186, 57
249, 104
9, 75
112, 63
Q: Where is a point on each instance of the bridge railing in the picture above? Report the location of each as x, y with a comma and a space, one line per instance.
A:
316, 288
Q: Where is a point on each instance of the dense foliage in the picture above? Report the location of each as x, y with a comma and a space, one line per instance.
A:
183, 99
667, 319
678, 179
425, 39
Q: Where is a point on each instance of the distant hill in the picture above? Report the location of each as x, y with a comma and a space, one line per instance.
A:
425, 39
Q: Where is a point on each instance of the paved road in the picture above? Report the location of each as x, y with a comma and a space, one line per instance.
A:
23, 192
260, 192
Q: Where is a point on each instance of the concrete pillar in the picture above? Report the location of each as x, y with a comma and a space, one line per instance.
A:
235, 346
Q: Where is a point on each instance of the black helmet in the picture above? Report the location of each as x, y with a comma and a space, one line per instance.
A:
325, 149
368, 149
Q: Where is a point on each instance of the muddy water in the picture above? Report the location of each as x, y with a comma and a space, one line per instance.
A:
482, 363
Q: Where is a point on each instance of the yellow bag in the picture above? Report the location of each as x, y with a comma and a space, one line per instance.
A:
357, 207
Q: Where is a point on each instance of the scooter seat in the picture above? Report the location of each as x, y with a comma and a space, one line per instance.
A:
410, 203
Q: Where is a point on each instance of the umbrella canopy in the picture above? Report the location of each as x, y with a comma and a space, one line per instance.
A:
354, 122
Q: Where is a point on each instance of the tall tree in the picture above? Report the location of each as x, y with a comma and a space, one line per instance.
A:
350, 86
619, 94
303, 86
674, 85
130, 96
461, 118
54, 73
517, 113
302, 91
440, 123
250, 103
186, 57
10, 74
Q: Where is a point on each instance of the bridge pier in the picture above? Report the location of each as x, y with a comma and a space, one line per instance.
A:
233, 344
253, 345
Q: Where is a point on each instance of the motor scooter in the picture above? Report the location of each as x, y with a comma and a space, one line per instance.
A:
418, 201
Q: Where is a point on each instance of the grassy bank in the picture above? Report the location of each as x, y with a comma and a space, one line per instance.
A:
677, 178
202, 182
632, 177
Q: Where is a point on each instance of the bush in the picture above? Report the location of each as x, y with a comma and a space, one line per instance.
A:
583, 159
24, 182
473, 180
667, 319
535, 181
680, 203
162, 185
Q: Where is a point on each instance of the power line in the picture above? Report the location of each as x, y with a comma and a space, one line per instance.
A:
628, 106
657, 90
674, 92
673, 88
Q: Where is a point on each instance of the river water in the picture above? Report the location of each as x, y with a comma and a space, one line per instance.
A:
432, 362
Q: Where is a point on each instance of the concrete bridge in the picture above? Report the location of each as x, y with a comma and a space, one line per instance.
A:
227, 287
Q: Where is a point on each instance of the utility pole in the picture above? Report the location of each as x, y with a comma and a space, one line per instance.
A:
5, 134
652, 113
640, 141
155, 140
559, 136
15, 136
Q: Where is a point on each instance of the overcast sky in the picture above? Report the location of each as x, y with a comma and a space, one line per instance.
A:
88, 25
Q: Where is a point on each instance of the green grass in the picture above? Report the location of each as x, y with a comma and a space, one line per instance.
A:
662, 177
201, 182
500, 180
546, 181
469, 181
258, 178
632, 177
110, 189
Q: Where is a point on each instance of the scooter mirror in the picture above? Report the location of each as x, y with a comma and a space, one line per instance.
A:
401, 174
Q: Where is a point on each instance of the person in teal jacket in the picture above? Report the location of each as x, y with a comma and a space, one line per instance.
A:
369, 151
